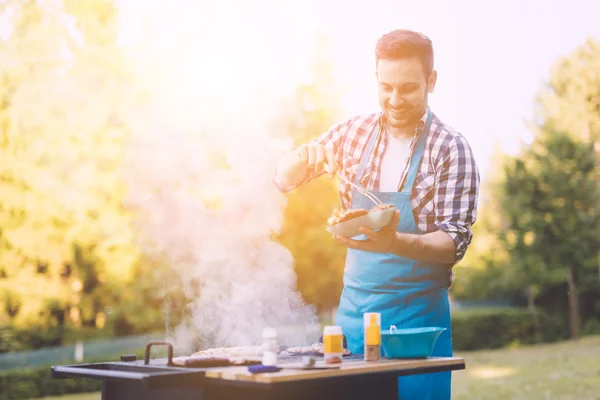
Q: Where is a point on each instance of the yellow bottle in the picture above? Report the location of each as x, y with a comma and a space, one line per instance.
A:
372, 322
333, 344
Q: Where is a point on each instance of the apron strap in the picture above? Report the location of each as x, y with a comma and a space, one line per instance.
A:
365, 155
415, 160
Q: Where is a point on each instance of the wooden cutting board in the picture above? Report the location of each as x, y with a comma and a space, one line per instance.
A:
353, 367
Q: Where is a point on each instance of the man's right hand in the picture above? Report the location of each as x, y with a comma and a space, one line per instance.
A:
317, 157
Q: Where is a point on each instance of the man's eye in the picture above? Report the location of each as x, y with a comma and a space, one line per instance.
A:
409, 89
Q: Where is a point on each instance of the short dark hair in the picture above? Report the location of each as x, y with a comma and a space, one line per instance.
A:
403, 43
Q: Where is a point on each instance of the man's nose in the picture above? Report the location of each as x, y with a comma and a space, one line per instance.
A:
396, 101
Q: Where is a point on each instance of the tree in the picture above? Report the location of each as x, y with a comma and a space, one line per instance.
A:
550, 205
571, 101
505, 259
64, 235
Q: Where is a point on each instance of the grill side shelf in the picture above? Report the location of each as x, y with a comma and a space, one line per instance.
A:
152, 377
62, 372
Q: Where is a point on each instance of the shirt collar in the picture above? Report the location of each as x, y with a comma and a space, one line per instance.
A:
418, 127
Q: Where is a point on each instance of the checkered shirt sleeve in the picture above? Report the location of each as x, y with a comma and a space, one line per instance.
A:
445, 194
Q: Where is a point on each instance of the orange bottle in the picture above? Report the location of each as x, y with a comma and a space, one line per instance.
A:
372, 326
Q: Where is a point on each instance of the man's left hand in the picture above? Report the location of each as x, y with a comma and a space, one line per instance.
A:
382, 241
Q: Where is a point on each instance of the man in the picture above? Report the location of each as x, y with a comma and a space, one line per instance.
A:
409, 158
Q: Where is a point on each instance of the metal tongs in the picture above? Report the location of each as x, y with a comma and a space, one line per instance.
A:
362, 190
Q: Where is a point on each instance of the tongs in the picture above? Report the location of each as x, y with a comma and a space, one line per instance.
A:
362, 190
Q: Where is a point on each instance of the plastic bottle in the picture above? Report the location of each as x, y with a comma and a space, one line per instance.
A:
270, 347
372, 338
333, 344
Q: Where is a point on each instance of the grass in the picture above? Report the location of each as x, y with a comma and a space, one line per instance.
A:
560, 371
567, 370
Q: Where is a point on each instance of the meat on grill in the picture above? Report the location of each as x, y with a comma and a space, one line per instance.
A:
239, 351
315, 349
246, 353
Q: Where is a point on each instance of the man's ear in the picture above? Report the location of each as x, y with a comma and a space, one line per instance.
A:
432, 81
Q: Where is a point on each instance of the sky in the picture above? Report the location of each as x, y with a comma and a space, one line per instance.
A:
492, 56
235, 58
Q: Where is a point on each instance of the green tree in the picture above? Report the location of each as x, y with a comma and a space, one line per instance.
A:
550, 205
502, 261
64, 236
571, 101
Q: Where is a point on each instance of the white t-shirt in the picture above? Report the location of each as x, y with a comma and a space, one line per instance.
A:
393, 163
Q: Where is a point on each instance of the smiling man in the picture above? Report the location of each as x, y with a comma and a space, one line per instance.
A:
409, 158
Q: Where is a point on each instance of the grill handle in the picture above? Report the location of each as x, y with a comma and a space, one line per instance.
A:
158, 343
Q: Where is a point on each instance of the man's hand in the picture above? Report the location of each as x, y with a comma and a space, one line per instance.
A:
317, 156
382, 241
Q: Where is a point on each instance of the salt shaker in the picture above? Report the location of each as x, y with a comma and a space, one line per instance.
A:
270, 347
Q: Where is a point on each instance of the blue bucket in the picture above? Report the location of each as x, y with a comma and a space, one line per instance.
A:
410, 342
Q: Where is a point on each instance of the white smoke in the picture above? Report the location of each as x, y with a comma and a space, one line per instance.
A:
199, 169
214, 225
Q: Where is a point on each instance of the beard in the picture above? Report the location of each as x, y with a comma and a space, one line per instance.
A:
406, 115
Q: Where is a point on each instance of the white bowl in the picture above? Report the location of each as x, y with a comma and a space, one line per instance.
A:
373, 220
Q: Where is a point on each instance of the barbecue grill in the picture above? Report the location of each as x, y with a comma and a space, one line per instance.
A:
157, 379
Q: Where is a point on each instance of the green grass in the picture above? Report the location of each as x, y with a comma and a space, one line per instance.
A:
561, 371
567, 370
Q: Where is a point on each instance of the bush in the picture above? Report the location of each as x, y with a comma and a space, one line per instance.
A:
496, 328
37, 337
34, 383
8, 342
591, 327
28, 383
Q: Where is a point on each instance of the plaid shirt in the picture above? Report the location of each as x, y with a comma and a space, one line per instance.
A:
446, 189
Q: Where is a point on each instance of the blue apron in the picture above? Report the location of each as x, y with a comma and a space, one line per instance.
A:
407, 293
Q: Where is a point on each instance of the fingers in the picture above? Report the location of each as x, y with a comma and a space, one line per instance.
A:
311, 156
393, 224
329, 154
319, 158
369, 233
303, 152
351, 244
395, 220
315, 156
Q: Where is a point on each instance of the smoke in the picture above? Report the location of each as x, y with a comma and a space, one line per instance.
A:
199, 170
206, 204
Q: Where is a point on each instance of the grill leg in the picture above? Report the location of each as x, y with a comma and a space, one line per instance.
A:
107, 391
